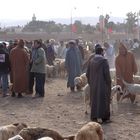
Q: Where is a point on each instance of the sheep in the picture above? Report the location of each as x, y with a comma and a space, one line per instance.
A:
136, 79
90, 131
50, 70
34, 133
80, 81
45, 138
113, 75
11, 130
17, 137
117, 89
132, 88
86, 93
62, 70
60, 67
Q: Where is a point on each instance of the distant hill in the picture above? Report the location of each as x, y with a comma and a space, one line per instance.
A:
84, 20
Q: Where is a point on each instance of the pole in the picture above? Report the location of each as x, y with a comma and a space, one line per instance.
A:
71, 24
102, 26
71, 20
138, 14
101, 18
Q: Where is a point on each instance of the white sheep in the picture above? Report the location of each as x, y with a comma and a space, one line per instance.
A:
113, 75
60, 67
86, 93
50, 70
46, 138
90, 131
80, 81
62, 70
136, 79
11, 130
17, 137
132, 88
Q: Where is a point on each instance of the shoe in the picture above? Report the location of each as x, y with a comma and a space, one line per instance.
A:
72, 89
29, 92
41, 95
13, 94
94, 120
106, 121
36, 96
5, 95
20, 95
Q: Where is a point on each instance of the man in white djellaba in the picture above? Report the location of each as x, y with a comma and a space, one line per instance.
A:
109, 54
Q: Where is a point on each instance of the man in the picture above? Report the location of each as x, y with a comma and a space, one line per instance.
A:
19, 59
73, 64
38, 68
4, 69
126, 67
50, 52
62, 50
100, 86
109, 54
80, 45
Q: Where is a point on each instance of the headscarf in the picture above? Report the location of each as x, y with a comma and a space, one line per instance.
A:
122, 46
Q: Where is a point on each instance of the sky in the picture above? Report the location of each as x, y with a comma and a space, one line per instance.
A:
46, 9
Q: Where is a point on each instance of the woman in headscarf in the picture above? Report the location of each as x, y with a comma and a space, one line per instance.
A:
73, 63
126, 67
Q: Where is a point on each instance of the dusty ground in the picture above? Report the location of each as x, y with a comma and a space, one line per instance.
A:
64, 112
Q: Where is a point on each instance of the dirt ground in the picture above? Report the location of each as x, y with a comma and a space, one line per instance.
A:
64, 112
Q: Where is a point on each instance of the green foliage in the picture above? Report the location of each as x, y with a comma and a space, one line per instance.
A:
131, 21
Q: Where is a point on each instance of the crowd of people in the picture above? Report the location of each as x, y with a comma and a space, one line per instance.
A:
99, 79
22, 64
25, 64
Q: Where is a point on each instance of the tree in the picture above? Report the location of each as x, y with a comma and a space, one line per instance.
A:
131, 21
78, 25
106, 21
111, 25
89, 29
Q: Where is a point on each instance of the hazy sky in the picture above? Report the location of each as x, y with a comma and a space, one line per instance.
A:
45, 9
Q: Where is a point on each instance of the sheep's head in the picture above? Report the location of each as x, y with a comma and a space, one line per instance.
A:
20, 126
77, 81
90, 131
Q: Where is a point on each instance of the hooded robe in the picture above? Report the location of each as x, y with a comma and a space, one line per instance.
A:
126, 67
19, 59
73, 65
99, 80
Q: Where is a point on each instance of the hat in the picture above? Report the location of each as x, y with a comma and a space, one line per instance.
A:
98, 46
72, 42
1, 45
4, 44
98, 49
52, 40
